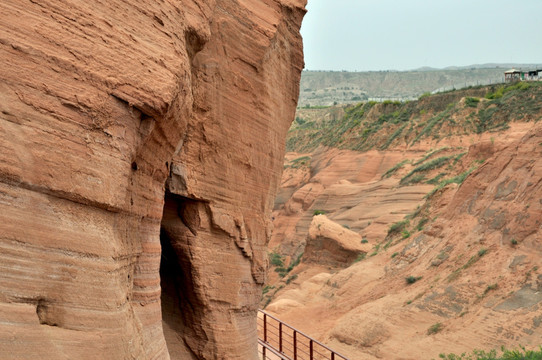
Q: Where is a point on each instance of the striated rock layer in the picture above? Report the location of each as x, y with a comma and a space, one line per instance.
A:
99, 103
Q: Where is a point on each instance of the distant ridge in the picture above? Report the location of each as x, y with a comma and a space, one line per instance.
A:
324, 88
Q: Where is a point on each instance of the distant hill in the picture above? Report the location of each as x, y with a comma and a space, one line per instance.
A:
328, 87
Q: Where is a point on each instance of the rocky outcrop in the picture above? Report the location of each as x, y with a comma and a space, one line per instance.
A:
331, 244
99, 104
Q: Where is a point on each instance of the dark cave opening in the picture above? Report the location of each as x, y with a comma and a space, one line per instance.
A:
177, 296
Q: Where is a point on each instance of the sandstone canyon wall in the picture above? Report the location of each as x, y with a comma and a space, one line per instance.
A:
102, 102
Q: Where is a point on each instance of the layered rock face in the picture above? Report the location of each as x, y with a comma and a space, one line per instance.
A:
100, 102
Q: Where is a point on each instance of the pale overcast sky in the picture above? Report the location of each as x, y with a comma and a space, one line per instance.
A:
367, 35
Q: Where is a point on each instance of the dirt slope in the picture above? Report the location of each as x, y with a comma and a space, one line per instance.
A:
455, 264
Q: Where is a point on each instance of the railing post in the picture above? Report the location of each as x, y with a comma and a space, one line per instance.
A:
332, 355
264, 334
311, 350
280, 336
295, 345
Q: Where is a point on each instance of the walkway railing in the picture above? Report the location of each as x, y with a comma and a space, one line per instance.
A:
280, 341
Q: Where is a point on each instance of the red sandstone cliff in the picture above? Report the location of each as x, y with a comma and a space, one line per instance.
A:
99, 103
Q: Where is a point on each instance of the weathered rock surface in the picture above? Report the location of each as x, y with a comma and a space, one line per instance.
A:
476, 261
99, 103
329, 243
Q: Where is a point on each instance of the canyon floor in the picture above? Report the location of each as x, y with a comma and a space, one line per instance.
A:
402, 231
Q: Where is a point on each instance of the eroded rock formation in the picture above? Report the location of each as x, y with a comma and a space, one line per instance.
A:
99, 103
329, 243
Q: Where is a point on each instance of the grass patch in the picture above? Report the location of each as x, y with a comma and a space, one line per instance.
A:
455, 180
518, 354
291, 278
454, 275
397, 227
393, 136
360, 257
472, 101
430, 154
421, 224
430, 165
300, 162
435, 328
414, 179
276, 259
394, 169
294, 263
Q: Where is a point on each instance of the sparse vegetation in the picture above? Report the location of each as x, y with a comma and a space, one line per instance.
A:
430, 165
276, 259
412, 279
360, 257
300, 162
397, 227
394, 122
520, 354
454, 275
490, 288
430, 154
482, 252
435, 328
454, 180
318, 212
421, 223
291, 278
295, 262
394, 169
472, 101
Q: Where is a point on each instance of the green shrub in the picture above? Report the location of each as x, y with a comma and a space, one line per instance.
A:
318, 212
294, 263
397, 227
412, 279
291, 278
491, 287
482, 252
405, 234
276, 259
435, 328
472, 101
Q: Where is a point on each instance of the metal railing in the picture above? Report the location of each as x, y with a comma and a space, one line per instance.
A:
280, 341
